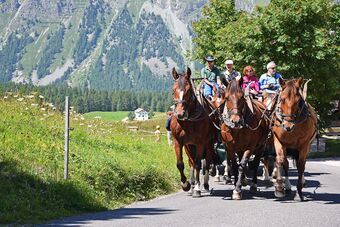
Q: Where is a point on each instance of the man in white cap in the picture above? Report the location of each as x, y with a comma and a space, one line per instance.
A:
230, 73
211, 75
269, 81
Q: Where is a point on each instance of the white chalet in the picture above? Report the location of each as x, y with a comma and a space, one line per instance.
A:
141, 115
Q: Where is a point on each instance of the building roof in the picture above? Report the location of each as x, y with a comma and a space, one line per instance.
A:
140, 110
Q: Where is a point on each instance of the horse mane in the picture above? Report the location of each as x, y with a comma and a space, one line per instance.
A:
234, 87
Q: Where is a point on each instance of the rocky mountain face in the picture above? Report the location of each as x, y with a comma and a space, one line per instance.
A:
101, 44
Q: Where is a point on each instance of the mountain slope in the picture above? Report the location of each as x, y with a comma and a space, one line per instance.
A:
102, 44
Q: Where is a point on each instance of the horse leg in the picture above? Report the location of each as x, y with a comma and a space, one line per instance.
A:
243, 164
180, 165
280, 157
301, 169
209, 158
228, 171
253, 186
265, 174
217, 176
231, 158
288, 186
198, 157
192, 178
205, 173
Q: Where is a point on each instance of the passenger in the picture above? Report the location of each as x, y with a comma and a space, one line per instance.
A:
230, 73
249, 79
211, 75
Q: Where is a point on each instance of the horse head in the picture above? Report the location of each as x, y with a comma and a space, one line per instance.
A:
183, 94
291, 105
235, 105
219, 97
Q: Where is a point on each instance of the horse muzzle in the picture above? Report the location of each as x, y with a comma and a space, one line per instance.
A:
183, 115
287, 128
232, 123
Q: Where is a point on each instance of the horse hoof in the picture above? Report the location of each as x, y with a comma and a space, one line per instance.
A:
191, 190
206, 187
213, 172
298, 198
288, 191
236, 195
279, 194
186, 186
228, 180
265, 179
253, 189
196, 194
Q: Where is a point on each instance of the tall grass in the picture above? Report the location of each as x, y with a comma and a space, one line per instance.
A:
109, 166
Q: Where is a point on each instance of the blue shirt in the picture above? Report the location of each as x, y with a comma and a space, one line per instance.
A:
266, 79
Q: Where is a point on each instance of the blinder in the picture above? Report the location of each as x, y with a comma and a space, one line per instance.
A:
301, 115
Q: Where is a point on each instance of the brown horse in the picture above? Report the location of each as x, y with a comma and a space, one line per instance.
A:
294, 128
244, 130
217, 105
191, 127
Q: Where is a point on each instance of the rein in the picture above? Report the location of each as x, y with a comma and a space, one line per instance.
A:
204, 102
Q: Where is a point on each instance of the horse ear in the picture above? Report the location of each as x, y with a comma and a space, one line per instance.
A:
188, 72
174, 73
282, 83
240, 81
299, 81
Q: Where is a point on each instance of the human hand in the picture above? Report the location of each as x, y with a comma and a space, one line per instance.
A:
253, 91
270, 85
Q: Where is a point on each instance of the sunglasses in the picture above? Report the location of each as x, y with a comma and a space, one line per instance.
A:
273, 68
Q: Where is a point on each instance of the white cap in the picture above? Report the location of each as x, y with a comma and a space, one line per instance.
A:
229, 62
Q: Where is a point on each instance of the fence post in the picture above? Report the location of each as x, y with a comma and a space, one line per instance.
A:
67, 122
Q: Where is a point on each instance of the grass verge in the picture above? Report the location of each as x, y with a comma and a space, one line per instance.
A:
109, 166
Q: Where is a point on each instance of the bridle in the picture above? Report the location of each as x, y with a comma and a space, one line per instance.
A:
300, 116
229, 112
198, 111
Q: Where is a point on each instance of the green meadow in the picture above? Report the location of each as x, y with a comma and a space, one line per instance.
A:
107, 116
109, 166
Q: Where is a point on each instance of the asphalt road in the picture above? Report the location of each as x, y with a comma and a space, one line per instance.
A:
217, 209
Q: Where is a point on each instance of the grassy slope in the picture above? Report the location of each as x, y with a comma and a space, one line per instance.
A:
109, 166
120, 115
108, 116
